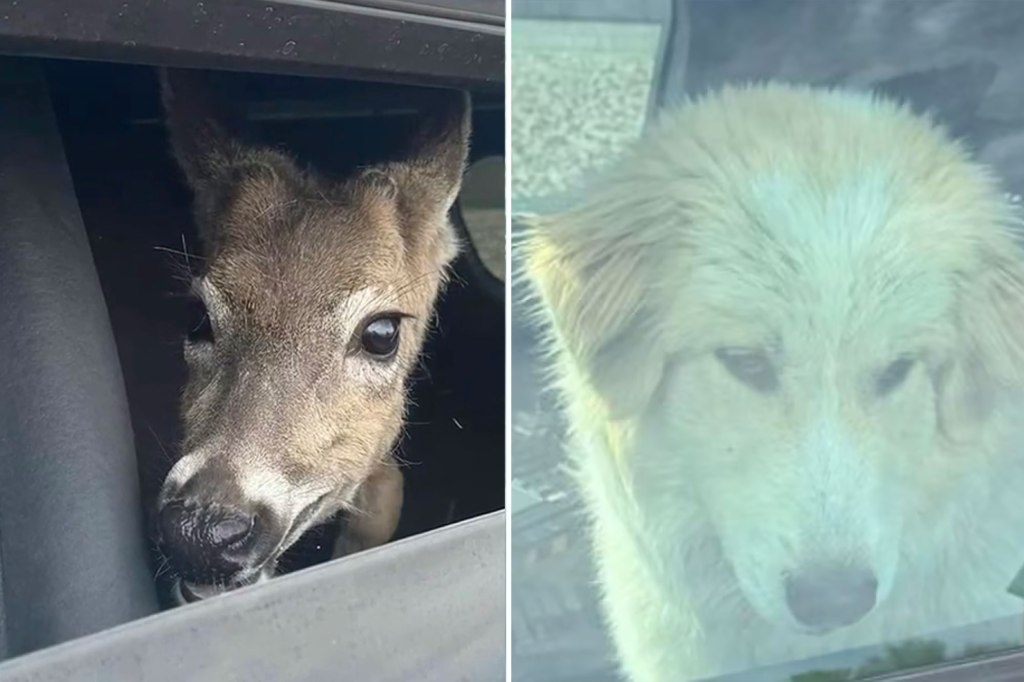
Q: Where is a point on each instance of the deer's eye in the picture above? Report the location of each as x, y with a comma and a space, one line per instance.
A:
200, 330
379, 337
893, 376
751, 366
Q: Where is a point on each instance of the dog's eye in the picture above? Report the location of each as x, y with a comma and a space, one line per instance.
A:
200, 330
893, 375
752, 367
379, 337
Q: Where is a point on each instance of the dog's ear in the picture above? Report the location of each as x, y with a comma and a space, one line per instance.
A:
592, 285
990, 354
425, 181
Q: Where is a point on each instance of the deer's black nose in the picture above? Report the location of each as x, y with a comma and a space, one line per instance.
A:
207, 543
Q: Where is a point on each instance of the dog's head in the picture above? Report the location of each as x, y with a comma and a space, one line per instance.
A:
313, 301
808, 306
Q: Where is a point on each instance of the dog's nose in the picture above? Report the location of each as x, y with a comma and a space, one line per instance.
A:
207, 543
831, 597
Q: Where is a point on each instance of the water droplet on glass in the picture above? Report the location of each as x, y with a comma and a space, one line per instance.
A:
288, 47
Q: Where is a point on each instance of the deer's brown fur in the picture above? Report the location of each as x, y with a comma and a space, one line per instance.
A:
282, 409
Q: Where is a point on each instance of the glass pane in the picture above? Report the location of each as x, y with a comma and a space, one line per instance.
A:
761, 429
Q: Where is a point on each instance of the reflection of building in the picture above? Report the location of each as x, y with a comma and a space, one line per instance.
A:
555, 620
557, 631
546, 512
543, 531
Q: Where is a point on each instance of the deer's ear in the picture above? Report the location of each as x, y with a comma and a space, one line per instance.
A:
216, 162
198, 120
424, 183
591, 288
436, 160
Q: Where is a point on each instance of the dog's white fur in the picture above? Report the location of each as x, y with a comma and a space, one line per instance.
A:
838, 232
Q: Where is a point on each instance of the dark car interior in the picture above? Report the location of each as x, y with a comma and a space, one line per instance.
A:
957, 60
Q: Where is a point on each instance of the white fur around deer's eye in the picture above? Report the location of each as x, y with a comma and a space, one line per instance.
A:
200, 329
206, 313
370, 323
363, 370
352, 310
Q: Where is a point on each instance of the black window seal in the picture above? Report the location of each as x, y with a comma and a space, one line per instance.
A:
483, 11
294, 37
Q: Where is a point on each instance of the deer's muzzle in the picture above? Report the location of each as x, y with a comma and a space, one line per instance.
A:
212, 534
210, 543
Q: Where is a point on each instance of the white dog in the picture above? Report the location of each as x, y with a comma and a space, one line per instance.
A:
789, 336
